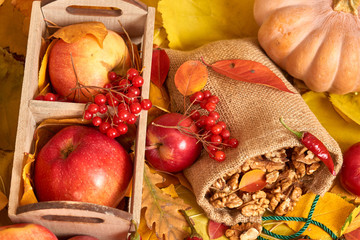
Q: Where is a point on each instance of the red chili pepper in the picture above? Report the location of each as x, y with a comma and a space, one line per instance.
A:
315, 146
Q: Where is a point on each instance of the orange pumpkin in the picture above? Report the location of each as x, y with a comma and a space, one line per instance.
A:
316, 41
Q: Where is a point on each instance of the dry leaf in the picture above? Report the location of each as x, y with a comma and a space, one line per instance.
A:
331, 210
339, 190
253, 181
74, 32
348, 105
216, 230
345, 134
190, 77
1, 2
159, 67
28, 196
144, 231
160, 100
190, 24
3, 201
43, 80
249, 71
354, 235
162, 211
170, 190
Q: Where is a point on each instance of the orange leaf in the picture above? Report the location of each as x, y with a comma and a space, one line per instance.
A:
191, 77
249, 71
253, 181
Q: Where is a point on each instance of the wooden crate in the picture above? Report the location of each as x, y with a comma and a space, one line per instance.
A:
67, 218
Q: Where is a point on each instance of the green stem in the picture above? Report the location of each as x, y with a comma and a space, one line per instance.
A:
348, 6
298, 134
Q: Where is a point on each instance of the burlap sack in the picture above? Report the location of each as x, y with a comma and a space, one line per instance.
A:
252, 113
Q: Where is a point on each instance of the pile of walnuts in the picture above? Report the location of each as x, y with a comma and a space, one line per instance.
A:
285, 170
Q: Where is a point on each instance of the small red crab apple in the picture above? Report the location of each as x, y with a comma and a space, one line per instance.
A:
170, 145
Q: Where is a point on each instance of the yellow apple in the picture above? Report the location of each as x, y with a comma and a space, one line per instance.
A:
86, 63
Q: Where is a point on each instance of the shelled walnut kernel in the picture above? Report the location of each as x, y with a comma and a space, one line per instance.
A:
284, 169
244, 231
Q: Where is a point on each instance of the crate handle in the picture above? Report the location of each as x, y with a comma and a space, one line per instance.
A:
67, 218
94, 11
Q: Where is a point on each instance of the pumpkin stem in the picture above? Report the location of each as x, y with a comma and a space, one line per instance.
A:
348, 6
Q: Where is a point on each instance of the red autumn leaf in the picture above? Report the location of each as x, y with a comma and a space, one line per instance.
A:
249, 71
353, 235
216, 230
191, 77
253, 181
159, 67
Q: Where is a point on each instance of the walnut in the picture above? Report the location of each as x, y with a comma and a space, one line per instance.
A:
233, 201
219, 184
310, 169
234, 181
303, 155
265, 165
284, 207
272, 177
244, 231
221, 200
278, 156
246, 197
252, 210
300, 169
296, 194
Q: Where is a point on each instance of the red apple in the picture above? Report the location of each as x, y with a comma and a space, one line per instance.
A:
26, 231
81, 164
83, 238
91, 64
168, 149
350, 171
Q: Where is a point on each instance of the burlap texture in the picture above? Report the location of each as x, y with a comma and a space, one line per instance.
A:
252, 112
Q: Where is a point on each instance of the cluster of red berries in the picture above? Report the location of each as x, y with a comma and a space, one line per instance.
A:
215, 134
51, 97
118, 104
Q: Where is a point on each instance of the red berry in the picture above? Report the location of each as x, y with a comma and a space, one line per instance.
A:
112, 132
216, 139
201, 122
112, 76
50, 97
103, 109
213, 99
222, 123
116, 120
40, 97
135, 90
233, 142
123, 106
211, 148
122, 128
124, 84
108, 85
214, 115
123, 115
132, 119
100, 99
210, 106
93, 108
104, 126
131, 73
96, 121
87, 115
219, 156
216, 129
130, 98
197, 97
225, 134
203, 104
146, 104
112, 100
207, 94
135, 108
209, 122
194, 114
137, 81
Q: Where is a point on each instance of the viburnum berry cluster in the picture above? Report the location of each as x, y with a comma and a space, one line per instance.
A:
213, 133
118, 104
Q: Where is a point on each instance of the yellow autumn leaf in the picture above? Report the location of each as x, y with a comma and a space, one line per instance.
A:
347, 104
12, 27
3, 201
43, 81
331, 210
352, 222
144, 231
74, 32
162, 211
1, 2
170, 190
203, 21
345, 133
28, 196
160, 101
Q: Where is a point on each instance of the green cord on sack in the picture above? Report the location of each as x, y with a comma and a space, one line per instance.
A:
307, 221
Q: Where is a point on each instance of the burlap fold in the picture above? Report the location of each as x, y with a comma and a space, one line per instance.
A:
252, 112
